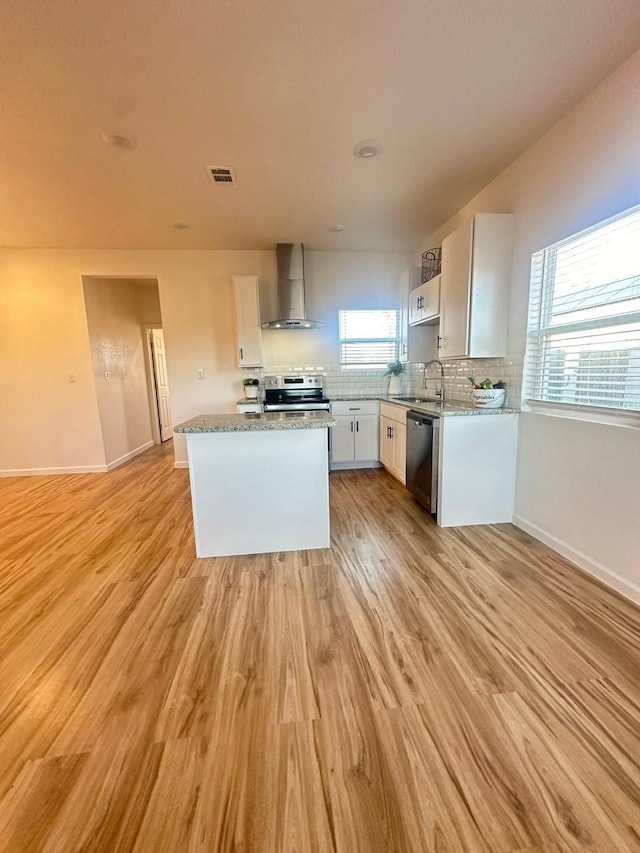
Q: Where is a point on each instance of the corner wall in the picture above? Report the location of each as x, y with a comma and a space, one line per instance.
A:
48, 424
578, 485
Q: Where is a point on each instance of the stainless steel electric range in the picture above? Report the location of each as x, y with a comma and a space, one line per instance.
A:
294, 392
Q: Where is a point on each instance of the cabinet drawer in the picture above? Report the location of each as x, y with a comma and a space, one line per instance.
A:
355, 407
394, 413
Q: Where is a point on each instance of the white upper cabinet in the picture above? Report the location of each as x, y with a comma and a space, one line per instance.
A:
409, 280
425, 302
475, 279
249, 332
416, 344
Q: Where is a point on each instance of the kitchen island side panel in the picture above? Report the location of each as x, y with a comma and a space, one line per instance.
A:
259, 492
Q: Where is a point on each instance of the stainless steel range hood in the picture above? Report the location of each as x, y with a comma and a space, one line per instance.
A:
292, 315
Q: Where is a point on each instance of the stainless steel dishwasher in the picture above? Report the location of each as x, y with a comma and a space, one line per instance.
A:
423, 436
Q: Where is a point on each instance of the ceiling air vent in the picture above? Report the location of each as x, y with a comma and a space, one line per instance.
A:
222, 175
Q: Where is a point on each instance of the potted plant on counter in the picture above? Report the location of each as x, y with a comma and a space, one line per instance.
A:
394, 371
250, 388
486, 395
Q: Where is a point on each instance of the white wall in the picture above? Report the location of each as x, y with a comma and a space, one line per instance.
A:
47, 422
578, 484
118, 358
333, 280
148, 302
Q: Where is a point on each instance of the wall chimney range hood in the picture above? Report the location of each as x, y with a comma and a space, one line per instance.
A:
292, 315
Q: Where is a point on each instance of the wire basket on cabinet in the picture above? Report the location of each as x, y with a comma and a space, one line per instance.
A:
431, 263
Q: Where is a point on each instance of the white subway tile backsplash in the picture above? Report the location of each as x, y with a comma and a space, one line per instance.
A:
457, 385
339, 382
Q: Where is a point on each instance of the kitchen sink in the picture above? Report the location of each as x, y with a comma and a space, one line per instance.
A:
417, 399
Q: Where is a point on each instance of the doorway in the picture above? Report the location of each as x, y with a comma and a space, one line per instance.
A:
129, 363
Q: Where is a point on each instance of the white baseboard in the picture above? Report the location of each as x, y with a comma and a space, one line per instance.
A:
184, 464
582, 562
76, 469
347, 466
49, 472
127, 456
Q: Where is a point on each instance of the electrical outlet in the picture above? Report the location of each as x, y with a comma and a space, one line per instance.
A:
72, 376
200, 373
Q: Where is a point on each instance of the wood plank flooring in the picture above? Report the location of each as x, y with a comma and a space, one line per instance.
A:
408, 689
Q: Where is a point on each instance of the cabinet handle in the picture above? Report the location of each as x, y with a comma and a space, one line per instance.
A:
390, 432
241, 354
404, 349
354, 408
357, 426
439, 342
351, 426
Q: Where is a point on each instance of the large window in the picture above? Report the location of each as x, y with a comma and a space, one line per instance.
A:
583, 343
368, 338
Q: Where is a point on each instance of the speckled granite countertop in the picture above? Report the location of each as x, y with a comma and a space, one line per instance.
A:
256, 422
452, 409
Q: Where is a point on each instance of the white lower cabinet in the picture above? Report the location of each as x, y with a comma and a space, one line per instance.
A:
354, 438
393, 440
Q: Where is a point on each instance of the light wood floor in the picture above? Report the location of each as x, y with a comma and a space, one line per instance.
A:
408, 689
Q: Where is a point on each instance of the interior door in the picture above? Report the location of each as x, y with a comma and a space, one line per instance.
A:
162, 383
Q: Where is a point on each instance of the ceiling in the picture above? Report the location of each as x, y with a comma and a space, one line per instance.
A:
281, 91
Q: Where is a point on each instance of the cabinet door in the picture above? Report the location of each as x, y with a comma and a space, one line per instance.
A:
431, 292
416, 301
455, 292
366, 437
342, 439
247, 302
400, 452
386, 443
403, 343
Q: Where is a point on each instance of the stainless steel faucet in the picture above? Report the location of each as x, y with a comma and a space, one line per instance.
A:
439, 393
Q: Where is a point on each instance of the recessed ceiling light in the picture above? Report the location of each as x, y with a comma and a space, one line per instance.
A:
336, 228
180, 226
366, 149
119, 141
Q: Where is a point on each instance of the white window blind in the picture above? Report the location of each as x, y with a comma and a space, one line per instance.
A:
368, 338
583, 339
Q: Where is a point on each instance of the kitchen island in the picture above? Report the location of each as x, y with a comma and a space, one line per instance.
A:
259, 482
